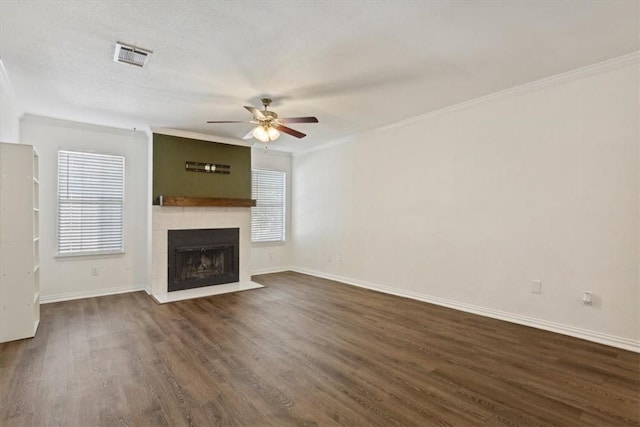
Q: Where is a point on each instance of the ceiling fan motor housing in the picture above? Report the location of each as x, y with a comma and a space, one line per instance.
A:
270, 115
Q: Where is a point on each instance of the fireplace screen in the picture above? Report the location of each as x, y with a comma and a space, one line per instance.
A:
201, 263
202, 257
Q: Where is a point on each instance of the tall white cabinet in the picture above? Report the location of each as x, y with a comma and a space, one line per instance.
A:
19, 242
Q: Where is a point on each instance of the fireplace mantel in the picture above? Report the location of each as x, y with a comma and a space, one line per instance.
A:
205, 201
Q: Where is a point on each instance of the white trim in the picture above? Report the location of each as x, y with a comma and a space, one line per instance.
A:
270, 270
200, 136
533, 86
91, 127
68, 296
585, 334
589, 70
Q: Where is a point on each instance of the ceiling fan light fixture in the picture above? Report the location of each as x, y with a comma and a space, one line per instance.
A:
266, 133
260, 134
273, 133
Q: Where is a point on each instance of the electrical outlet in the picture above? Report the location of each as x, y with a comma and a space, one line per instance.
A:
536, 286
587, 298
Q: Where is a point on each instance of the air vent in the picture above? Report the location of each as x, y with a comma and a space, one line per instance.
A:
131, 55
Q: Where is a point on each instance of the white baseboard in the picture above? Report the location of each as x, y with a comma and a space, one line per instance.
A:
68, 296
585, 334
270, 270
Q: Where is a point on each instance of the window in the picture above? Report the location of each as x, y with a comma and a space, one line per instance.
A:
90, 203
268, 187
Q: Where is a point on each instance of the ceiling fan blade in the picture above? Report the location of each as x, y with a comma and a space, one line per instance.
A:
249, 135
227, 121
298, 120
290, 131
256, 113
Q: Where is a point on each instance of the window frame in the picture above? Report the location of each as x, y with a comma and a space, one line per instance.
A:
283, 206
86, 252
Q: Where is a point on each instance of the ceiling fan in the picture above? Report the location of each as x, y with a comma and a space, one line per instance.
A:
269, 125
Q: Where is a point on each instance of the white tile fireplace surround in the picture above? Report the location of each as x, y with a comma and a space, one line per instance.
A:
166, 218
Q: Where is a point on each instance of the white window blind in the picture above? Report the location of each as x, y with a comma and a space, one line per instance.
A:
90, 203
269, 188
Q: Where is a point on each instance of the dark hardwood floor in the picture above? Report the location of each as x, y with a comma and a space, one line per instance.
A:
301, 352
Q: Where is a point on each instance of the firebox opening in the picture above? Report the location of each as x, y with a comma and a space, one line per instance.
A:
203, 257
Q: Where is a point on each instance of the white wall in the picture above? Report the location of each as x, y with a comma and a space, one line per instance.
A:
10, 111
270, 257
466, 206
69, 277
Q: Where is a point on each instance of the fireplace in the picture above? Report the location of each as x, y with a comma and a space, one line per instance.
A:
202, 257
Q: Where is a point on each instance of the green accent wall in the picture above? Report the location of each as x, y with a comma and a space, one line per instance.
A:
171, 179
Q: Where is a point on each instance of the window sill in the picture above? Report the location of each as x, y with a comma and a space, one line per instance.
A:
269, 243
89, 254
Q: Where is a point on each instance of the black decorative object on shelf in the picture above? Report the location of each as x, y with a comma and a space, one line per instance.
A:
207, 167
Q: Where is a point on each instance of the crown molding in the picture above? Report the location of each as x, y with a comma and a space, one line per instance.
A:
200, 136
91, 127
569, 76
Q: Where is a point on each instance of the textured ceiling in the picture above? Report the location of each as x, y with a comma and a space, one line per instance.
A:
356, 65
